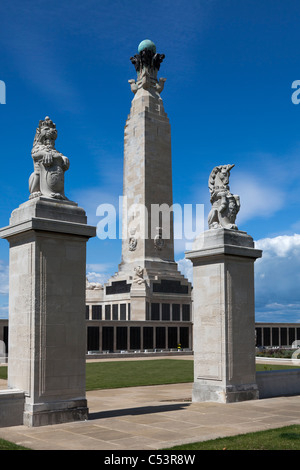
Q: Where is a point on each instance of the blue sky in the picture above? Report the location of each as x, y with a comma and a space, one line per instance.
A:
229, 64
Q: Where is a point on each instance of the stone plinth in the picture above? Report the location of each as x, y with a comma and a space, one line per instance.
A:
11, 407
47, 333
139, 296
224, 323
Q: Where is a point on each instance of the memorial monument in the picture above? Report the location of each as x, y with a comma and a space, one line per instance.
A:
47, 238
223, 292
148, 281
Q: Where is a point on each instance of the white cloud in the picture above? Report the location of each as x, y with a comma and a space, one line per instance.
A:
185, 266
277, 279
282, 246
4, 278
258, 198
4, 288
99, 272
99, 267
99, 278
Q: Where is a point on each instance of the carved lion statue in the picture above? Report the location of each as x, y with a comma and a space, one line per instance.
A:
47, 178
225, 206
139, 275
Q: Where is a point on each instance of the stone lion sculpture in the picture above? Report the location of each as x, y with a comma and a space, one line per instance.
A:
50, 165
139, 275
225, 206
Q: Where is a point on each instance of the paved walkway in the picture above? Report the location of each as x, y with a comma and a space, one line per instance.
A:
155, 417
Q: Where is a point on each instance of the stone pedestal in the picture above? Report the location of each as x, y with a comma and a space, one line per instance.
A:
224, 323
47, 333
139, 296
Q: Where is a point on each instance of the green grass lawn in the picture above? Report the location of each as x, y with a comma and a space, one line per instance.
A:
5, 445
100, 375
105, 375
286, 438
3, 372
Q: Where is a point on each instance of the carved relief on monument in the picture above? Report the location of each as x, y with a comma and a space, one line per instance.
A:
50, 165
158, 240
132, 242
139, 276
225, 205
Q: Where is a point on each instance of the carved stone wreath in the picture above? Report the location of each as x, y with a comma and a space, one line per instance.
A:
158, 241
132, 243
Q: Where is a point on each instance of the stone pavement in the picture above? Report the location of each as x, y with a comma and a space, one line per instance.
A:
155, 417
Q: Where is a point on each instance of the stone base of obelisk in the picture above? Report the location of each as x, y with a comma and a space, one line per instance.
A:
224, 323
47, 331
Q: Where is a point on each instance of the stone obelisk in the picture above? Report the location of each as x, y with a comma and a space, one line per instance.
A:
147, 235
47, 339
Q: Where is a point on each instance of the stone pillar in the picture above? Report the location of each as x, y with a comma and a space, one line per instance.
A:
224, 323
47, 332
47, 238
139, 294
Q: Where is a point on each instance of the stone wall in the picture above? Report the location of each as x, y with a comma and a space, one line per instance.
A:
276, 383
11, 407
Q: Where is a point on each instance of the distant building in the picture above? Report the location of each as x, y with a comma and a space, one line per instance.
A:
276, 334
104, 335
